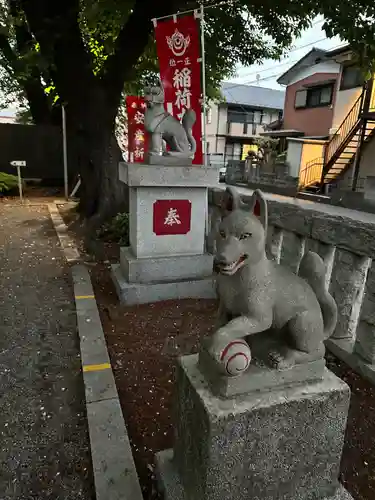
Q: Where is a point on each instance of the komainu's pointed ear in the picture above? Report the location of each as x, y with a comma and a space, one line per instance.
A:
258, 207
231, 200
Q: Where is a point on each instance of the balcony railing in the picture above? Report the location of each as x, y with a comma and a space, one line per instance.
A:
243, 129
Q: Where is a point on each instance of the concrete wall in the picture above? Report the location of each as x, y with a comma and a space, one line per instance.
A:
40, 146
312, 121
347, 247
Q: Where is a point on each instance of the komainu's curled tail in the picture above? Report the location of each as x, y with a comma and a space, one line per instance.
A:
313, 270
188, 121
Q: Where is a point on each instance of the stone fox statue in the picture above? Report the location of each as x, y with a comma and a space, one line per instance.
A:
161, 125
256, 294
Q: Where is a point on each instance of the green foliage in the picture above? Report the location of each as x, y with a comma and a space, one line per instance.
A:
23, 117
116, 230
240, 32
281, 158
7, 182
267, 143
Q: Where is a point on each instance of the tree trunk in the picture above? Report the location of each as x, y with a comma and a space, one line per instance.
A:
95, 154
102, 195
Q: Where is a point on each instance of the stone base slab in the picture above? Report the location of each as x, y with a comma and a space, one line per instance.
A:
167, 160
271, 445
258, 378
170, 484
142, 175
161, 269
141, 293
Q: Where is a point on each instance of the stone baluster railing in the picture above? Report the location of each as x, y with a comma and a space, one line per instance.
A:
347, 247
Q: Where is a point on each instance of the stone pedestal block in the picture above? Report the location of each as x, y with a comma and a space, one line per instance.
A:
284, 444
167, 227
163, 269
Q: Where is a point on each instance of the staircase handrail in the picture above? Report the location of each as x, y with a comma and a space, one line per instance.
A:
345, 128
311, 173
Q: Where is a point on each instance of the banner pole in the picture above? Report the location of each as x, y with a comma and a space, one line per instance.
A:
65, 154
204, 88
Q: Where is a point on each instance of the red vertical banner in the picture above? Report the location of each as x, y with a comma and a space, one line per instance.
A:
137, 139
178, 47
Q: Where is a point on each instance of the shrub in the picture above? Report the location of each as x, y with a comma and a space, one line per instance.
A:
116, 230
281, 158
7, 182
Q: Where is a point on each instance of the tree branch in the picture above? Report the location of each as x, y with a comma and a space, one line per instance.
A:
8, 53
132, 41
55, 26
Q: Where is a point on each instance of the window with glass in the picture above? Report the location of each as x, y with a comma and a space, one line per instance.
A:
314, 97
351, 78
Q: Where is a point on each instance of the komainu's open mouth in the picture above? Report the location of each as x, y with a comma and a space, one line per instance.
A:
232, 268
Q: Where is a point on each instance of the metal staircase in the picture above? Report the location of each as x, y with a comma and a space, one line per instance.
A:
346, 145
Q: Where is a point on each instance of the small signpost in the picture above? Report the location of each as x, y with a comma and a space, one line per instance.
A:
18, 164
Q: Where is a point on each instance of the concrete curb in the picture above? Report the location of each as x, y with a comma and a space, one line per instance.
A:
114, 469
67, 244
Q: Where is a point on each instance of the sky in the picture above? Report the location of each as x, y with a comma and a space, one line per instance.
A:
270, 70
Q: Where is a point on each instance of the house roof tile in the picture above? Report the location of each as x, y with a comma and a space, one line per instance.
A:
251, 95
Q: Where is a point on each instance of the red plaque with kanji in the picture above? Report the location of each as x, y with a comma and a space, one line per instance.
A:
172, 217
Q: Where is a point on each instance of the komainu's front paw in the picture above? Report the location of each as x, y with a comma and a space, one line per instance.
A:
278, 361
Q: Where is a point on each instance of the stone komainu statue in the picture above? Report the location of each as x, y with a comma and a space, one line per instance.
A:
161, 125
256, 294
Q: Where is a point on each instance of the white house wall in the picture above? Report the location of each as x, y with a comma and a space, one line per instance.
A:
343, 104
211, 128
293, 157
218, 128
322, 67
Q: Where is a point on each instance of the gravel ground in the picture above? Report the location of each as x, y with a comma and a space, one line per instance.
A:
44, 442
144, 342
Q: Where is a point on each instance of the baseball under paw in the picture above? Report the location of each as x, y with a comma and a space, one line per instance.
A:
235, 357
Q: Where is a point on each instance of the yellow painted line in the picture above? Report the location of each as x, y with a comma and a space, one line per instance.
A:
96, 368
80, 297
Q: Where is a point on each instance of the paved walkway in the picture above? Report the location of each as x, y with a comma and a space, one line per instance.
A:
313, 205
44, 443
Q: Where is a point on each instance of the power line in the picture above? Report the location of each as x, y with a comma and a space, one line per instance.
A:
290, 51
287, 62
273, 75
227, 89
